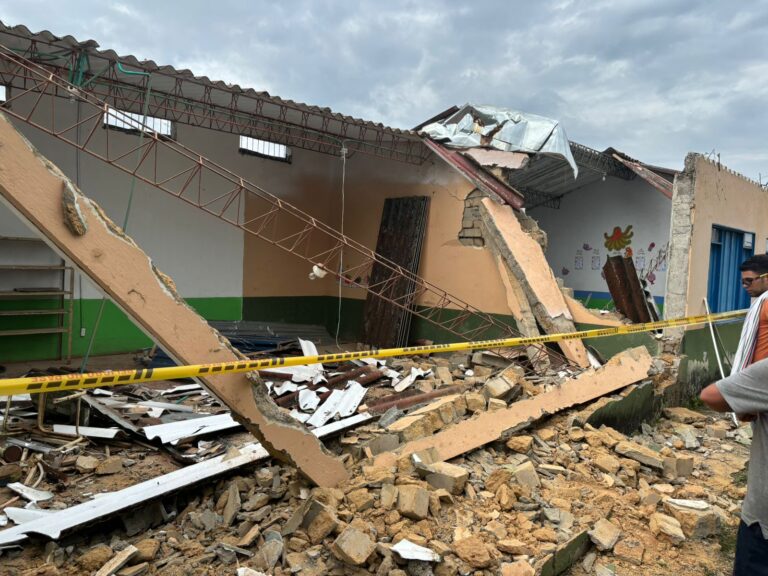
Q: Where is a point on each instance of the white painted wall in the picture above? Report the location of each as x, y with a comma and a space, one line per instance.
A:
577, 250
202, 254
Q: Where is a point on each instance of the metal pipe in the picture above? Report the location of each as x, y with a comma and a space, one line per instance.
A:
717, 354
407, 401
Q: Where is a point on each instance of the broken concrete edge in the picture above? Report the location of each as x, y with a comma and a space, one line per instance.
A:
73, 216
32, 186
680, 237
627, 411
583, 315
55, 524
622, 370
525, 259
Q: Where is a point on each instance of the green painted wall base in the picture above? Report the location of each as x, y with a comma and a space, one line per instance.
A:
116, 333
698, 363
626, 413
609, 346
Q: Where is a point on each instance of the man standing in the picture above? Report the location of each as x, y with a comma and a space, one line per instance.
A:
745, 392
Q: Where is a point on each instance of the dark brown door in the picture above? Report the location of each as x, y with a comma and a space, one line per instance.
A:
401, 236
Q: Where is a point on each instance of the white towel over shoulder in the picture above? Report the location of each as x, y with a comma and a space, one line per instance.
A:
748, 338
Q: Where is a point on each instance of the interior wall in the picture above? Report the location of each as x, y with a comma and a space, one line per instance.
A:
579, 234
202, 255
313, 183
217, 267
724, 198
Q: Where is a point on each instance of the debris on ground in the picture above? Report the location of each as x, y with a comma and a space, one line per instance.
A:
553, 495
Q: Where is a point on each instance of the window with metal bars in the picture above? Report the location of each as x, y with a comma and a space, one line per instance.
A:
3, 93
264, 149
132, 122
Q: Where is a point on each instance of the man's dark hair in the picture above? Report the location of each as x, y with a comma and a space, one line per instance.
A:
757, 264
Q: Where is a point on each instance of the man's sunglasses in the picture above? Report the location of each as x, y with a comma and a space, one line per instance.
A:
748, 281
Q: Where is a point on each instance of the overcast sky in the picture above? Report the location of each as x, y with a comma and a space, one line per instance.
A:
655, 79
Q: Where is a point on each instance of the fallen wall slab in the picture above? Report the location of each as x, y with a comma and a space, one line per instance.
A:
525, 259
584, 315
77, 228
622, 370
521, 311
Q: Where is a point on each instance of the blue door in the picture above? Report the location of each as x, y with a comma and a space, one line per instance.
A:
729, 249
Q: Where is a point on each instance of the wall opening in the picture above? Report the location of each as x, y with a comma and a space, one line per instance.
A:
130, 122
264, 149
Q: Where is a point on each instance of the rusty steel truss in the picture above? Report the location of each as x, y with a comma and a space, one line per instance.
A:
212, 188
183, 98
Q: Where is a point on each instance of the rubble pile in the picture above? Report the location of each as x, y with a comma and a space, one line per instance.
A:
565, 494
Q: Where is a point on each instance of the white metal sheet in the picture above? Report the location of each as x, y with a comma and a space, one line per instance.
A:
52, 525
173, 432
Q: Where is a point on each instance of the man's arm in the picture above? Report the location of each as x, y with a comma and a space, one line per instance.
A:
712, 397
743, 393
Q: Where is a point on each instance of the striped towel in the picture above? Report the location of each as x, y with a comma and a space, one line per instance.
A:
746, 348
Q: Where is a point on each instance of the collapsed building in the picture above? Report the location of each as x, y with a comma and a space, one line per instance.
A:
144, 207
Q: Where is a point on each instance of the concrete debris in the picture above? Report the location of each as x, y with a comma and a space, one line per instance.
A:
353, 547
447, 476
697, 519
605, 534
111, 465
630, 550
117, 561
518, 568
519, 503
667, 527
413, 502
623, 369
473, 551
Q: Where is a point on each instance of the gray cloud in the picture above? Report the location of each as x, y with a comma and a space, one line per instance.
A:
654, 78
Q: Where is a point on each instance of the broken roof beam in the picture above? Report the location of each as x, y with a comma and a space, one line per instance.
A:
78, 229
482, 179
656, 180
622, 370
526, 261
600, 162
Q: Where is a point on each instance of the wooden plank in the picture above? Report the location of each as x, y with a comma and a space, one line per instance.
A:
622, 370
76, 227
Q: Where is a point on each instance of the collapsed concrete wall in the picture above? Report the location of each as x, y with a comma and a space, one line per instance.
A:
44, 197
524, 257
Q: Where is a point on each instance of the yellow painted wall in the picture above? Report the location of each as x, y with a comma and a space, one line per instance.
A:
724, 198
313, 183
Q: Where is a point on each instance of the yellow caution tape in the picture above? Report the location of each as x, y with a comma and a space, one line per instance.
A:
70, 382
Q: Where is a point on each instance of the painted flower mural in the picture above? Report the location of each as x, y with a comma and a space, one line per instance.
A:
618, 239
